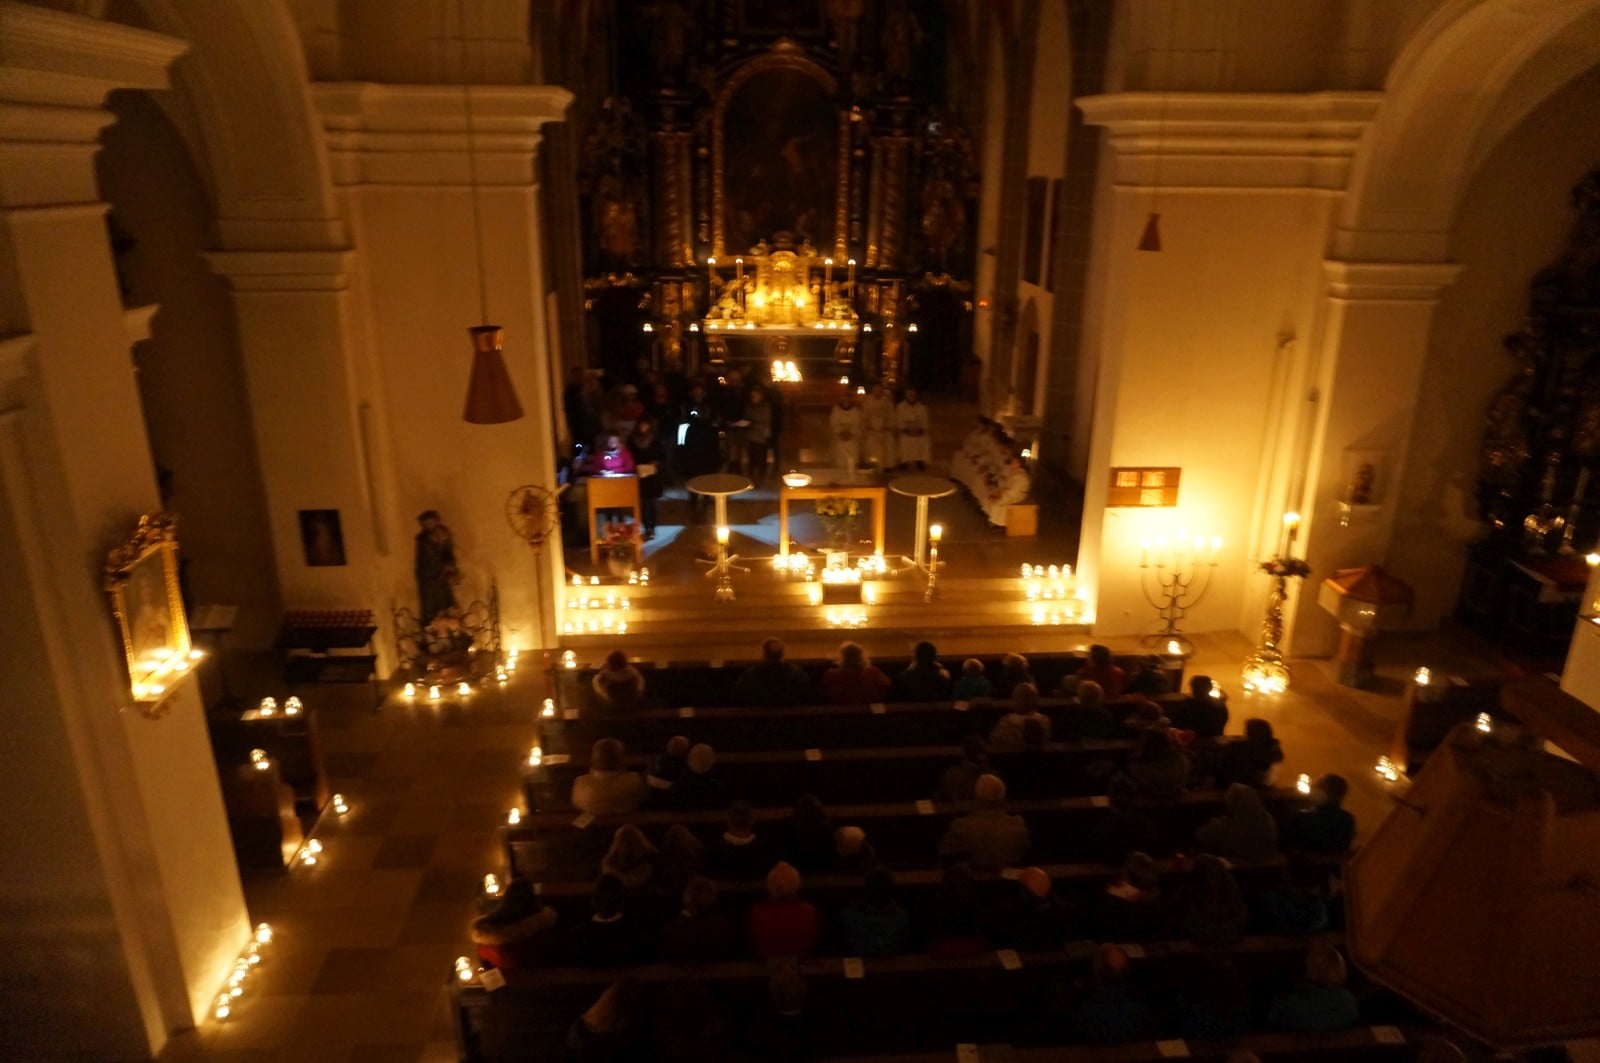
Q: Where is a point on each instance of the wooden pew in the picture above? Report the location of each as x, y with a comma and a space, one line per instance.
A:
707, 683
561, 845
848, 775
901, 1003
731, 728
1080, 883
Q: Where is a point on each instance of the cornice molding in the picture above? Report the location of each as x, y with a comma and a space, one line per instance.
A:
283, 271
417, 134
1232, 140
49, 56
1388, 282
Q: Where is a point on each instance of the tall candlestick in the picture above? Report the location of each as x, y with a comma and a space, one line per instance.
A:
711, 276
827, 282
738, 269
1291, 524
850, 286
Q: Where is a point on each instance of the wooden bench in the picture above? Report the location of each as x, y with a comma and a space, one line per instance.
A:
909, 1002
825, 726
831, 892
848, 775
710, 683
547, 844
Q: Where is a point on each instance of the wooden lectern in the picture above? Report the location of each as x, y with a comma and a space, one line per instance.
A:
610, 492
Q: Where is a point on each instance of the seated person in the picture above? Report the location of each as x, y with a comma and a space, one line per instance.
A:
808, 843
518, 932
1321, 1003
1088, 717
667, 765
1204, 711
972, 684
958, 780
631, 858
739, 855
988, 837
1325, 827
1038, 919
1030, 773
852, 853
1124, 829
953, 919
1106, 1010
783, 924
873, 924
1245, 830
854, 680
1301, 902
925, 678
780, 1030
699, 787
1213, 906
682, 857
1157, 766
618, 685
605, 939
774, 682
1133, 907
1013, 673
1101, 669
1007, 734
1216, 1003
1252, 761
1150, 679
699, 933
608, 789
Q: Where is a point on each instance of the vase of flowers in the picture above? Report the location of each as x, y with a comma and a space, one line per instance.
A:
838, 517
620, 547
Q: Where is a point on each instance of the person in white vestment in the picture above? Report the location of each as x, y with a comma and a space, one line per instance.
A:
877, 441
844, 425
912, 445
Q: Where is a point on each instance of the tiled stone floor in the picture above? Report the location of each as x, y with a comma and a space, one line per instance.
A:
364, 940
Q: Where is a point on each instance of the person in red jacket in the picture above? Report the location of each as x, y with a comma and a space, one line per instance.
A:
783, 925
1102, 670
854, 680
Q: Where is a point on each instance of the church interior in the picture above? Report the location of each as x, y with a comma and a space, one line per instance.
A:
868, 531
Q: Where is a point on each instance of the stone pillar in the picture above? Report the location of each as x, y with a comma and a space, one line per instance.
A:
1208, 349
427, 217
1376, 320
120, 907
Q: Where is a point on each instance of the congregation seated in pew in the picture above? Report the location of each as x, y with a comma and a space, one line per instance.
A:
780, 883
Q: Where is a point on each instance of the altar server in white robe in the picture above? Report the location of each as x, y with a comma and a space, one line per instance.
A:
844, 425
912, 445
877, 440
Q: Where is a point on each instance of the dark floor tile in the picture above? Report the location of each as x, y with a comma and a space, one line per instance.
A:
445, 885
436, 923
386, 1053
350, 970
347, 767
405, 851
482, 816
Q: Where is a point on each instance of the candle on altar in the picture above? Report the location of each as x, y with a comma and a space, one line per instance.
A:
827, 282
850, 285
711, 276
738, 280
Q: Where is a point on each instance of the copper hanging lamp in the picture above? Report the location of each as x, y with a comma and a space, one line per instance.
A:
491, 397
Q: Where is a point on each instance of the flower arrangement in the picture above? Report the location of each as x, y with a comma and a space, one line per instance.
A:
1284, 567
621, 533
446, 633
838, 516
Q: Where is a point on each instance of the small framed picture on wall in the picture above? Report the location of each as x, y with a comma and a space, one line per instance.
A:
321, 537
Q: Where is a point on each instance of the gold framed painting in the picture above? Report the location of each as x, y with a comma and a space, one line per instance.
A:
141, 578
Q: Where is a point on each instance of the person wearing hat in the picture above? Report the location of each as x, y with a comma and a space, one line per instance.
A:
1038, 919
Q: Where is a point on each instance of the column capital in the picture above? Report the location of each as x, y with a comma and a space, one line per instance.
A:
55, 72
283, 271
1387, 282
1232, 140
418, 134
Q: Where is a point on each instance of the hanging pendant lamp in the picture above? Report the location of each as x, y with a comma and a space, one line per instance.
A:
490, 397
1151, 240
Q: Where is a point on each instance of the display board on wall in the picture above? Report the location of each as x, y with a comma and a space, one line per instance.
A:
1143, 486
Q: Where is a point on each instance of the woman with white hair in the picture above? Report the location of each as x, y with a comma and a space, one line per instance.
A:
988, 837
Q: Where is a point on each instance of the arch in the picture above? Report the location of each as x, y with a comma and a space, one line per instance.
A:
245, 85
1417, 159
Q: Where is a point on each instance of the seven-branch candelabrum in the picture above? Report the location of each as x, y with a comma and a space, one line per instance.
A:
1174, 576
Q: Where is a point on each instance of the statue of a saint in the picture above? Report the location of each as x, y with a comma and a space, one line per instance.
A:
435, 567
